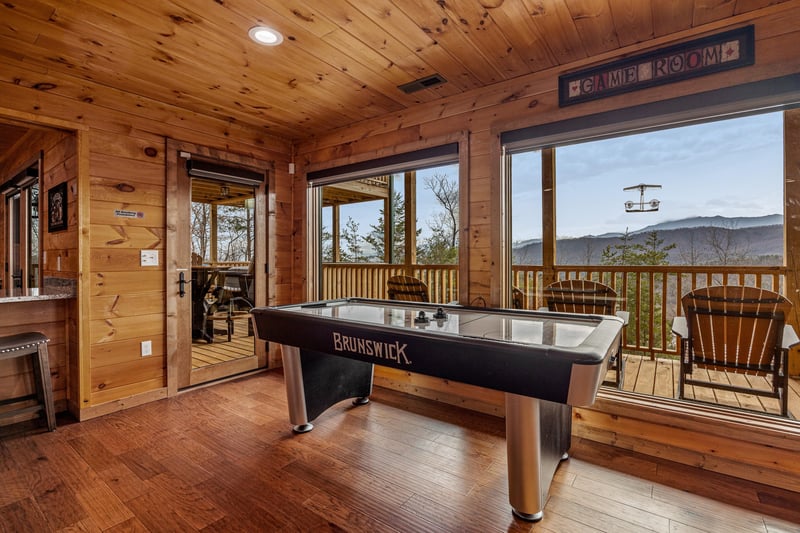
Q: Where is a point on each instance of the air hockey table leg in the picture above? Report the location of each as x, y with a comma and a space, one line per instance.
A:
537, 440
315, 382
295, 391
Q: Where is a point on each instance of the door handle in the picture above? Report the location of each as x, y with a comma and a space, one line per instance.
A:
182, 284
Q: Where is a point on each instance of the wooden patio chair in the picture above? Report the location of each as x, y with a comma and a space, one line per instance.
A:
517, 298
588, 297
407, 288
735, 329
230, 305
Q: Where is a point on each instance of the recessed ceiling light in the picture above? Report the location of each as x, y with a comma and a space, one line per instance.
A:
266, 36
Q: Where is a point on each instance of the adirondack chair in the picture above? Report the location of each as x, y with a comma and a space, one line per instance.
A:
588, 297
407, 288
735, 329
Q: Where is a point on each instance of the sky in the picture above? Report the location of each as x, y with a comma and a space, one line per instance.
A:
732, 168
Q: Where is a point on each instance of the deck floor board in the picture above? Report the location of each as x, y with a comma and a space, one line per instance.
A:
660, 378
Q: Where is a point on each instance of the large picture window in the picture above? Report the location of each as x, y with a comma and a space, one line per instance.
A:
654, 215
390, 220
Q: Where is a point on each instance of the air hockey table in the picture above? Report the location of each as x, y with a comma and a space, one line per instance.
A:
544, 362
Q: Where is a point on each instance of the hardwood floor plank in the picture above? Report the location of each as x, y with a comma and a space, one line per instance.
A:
103, 506
123, 482
184, 500
23, 515
133, 525
61, 506
747, 497
14, 486
612, 520
156, 514
611, 504
223, 458
141, 463
94, 452
344, 517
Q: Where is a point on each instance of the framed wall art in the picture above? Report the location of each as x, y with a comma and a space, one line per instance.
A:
57, 208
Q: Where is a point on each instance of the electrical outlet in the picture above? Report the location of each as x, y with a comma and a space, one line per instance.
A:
149, 258
147, 348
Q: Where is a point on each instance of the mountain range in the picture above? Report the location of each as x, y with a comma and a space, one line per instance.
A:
698, 240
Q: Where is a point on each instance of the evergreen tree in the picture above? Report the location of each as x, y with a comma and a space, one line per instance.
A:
651, 252
351, 251
327, 245
375, 238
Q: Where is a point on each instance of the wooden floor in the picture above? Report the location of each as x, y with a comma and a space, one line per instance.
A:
223, 458
659, 377
222, 350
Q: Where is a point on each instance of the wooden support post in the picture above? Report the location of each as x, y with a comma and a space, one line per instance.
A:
388, 225
213, 237
548, 216
336, 245
791, 221
411, 221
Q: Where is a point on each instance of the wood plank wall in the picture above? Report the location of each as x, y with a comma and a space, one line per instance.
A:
528, 101
121, 302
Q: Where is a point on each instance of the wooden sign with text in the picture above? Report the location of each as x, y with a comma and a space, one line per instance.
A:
723, 51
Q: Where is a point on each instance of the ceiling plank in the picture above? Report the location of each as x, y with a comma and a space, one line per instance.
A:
595, 25
712, 10
555, 21
632, 20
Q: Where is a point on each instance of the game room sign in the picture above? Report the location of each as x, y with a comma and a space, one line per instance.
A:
723, 51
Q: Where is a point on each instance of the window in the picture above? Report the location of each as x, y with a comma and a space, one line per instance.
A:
525, 193
23, 232
713, 195
392, 216
222, 222
655, 214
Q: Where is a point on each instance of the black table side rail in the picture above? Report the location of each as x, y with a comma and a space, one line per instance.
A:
512, 368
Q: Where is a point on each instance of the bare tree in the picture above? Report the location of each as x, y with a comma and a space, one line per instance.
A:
727, 248
200, 228
445, 190
442, 246
588, 252
692, 253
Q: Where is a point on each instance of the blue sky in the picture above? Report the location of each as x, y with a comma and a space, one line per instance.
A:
732, 168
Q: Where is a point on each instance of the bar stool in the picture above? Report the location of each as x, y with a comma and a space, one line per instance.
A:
35, 344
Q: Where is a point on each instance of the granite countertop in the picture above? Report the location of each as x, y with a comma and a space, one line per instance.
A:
53, 289
36, 297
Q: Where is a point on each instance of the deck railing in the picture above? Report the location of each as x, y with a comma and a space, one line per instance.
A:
341, 280
651, 294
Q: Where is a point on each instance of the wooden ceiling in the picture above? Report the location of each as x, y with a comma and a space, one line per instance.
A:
220, 193
341, 61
